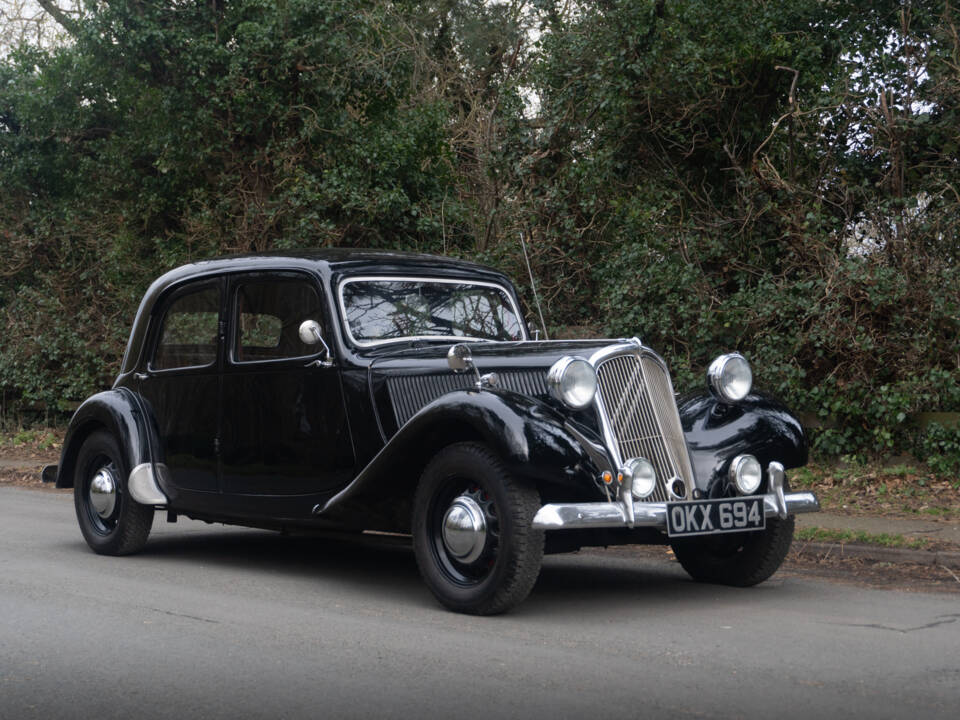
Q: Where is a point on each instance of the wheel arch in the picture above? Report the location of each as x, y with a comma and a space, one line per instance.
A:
528, 436
717, 432
117, 411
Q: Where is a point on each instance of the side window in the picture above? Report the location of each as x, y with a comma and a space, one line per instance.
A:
188, 334
268, 317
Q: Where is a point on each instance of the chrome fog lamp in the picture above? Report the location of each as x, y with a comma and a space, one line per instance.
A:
573, 382
644, 477
746, 473
730, 377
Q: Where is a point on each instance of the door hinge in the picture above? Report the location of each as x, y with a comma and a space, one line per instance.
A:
216, 446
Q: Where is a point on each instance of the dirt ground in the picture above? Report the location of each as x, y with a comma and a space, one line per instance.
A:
900, 491
856, 571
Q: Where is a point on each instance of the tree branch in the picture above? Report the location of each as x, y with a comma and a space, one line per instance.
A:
64, 20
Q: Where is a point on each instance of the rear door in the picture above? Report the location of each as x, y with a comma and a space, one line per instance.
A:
181, 383
284, 429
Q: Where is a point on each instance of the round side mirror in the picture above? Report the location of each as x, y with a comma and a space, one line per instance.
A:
460, 357
310, 332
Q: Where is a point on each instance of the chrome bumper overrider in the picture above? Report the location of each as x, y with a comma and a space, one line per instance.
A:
566, 516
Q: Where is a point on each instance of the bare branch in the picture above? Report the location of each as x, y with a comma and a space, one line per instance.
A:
64, 20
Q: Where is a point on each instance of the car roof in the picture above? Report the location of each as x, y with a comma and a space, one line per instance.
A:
330, 260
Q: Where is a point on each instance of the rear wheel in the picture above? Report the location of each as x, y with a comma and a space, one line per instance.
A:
472, 531
739, 559
111, 521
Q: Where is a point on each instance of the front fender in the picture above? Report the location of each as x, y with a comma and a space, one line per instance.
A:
528, 435
759, 425
117, 411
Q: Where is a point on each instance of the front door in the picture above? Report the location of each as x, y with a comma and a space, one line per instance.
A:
284, 428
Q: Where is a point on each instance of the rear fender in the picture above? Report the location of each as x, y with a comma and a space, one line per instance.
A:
120, 413
717, 432
528, 436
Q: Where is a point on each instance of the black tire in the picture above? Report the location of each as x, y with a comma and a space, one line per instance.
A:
509, 563
739, 559
125, 528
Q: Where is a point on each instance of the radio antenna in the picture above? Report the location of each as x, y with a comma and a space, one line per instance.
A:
533, 285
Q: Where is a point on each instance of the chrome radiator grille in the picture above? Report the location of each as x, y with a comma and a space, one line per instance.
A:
636, 397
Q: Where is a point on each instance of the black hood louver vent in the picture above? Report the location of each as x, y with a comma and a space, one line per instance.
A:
409, 393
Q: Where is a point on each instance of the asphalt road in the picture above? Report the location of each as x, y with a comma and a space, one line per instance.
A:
219, 622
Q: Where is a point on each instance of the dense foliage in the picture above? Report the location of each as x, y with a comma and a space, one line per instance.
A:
780, 178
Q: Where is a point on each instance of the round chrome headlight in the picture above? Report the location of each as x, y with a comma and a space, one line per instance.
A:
730, 377
644, 477
746, 474
573, 382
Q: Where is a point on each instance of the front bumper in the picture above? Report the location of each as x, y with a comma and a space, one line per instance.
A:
571, 516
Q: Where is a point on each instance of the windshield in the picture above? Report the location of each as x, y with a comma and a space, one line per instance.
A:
378, 310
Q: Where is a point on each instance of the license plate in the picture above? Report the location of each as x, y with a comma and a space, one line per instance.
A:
706, 517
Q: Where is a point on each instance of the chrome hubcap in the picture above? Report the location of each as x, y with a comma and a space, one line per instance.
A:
103, 493
464, 529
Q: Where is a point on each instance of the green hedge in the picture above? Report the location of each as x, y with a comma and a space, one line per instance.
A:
775, 178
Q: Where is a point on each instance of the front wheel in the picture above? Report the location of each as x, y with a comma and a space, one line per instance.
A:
473, 533
739, 559
112, 522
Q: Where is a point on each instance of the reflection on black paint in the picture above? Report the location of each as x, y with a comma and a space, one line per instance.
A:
716, 433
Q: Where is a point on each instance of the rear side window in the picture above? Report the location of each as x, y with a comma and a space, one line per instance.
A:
268, 318
188, 335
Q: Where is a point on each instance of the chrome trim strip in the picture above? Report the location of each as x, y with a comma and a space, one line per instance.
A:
143, 486
415, 278
597, 453
571, 516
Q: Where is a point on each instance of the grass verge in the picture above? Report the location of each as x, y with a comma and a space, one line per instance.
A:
817, 534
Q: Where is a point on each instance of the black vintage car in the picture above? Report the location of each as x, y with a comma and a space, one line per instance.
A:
378, 391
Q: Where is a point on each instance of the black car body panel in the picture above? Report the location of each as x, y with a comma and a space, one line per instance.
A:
717, 432
120, 412
527, 434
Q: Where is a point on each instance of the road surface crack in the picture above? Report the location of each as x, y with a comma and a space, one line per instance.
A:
942, 620
188, 617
